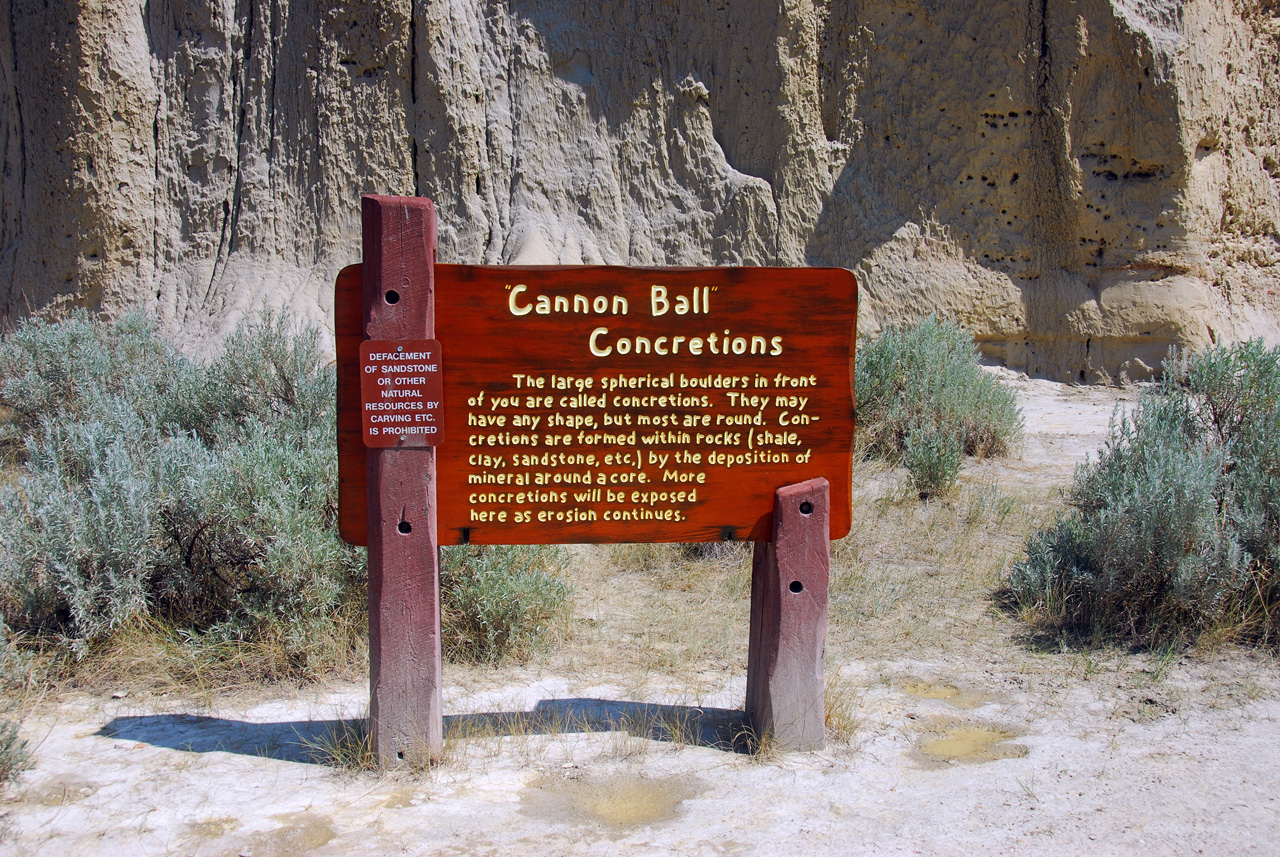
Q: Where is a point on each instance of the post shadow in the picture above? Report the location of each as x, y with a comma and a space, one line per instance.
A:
299, 740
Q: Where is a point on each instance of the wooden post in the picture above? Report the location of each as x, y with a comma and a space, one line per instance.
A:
405, 706
789, 585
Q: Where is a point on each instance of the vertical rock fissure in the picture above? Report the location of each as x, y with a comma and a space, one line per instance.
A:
11, 264
412, 118
513, 99
221, 255
1050, 148
246, 65
17, 109
1043, 70
270, 72
157, 267
777, 220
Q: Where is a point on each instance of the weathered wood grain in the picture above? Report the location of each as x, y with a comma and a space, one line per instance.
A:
405, 704
786, 651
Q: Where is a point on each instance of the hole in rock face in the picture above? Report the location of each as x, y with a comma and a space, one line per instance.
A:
796, 587
405, 527
392, 297
806, 508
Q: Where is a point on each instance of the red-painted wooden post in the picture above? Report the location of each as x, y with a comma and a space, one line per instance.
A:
405, 707
788, 641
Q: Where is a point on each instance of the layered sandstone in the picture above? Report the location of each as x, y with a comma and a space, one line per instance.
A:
1082, 183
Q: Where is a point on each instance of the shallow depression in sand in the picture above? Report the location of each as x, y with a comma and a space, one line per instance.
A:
60, 791
948, 693
951, 742
299, 833
621, 799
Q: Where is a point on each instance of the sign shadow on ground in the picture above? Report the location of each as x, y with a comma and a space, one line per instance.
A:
302, 740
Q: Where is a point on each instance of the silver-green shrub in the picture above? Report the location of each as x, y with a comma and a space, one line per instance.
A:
501, 601
924, 401
933, 459
202, 495
1175, 529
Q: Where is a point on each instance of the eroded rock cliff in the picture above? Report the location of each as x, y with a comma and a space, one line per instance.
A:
1082, 183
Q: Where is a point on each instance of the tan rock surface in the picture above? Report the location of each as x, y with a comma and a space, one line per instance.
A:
1082, 183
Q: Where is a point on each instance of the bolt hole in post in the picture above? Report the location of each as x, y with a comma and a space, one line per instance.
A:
806, 508
405, 527
796, 587
392, 296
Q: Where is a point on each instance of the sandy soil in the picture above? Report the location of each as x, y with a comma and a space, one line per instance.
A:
972, 743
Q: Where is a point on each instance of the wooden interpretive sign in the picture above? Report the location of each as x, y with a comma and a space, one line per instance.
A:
588, 404
607, 404
401, 393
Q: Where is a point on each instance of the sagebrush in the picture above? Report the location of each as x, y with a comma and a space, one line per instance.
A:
159, 507
924, 401
1175, 530
501, 601
202, 495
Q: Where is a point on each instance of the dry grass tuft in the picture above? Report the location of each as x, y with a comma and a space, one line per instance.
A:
841, 712
760, 748
915, 575
346, 745
148, 655
658, 611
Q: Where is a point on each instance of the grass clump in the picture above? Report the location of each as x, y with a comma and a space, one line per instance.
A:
15, 676
346, 745
923, 401
157, 489
502, 601
1175, 530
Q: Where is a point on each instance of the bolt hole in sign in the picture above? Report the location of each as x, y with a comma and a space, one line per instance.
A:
401, 392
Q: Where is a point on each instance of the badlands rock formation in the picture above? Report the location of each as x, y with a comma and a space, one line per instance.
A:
1082, 183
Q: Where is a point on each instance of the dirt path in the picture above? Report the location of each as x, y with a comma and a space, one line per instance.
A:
952, 736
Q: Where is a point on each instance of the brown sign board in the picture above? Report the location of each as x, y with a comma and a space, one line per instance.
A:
610, 404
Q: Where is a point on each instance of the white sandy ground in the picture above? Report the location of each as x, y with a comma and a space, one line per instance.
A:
995, 751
